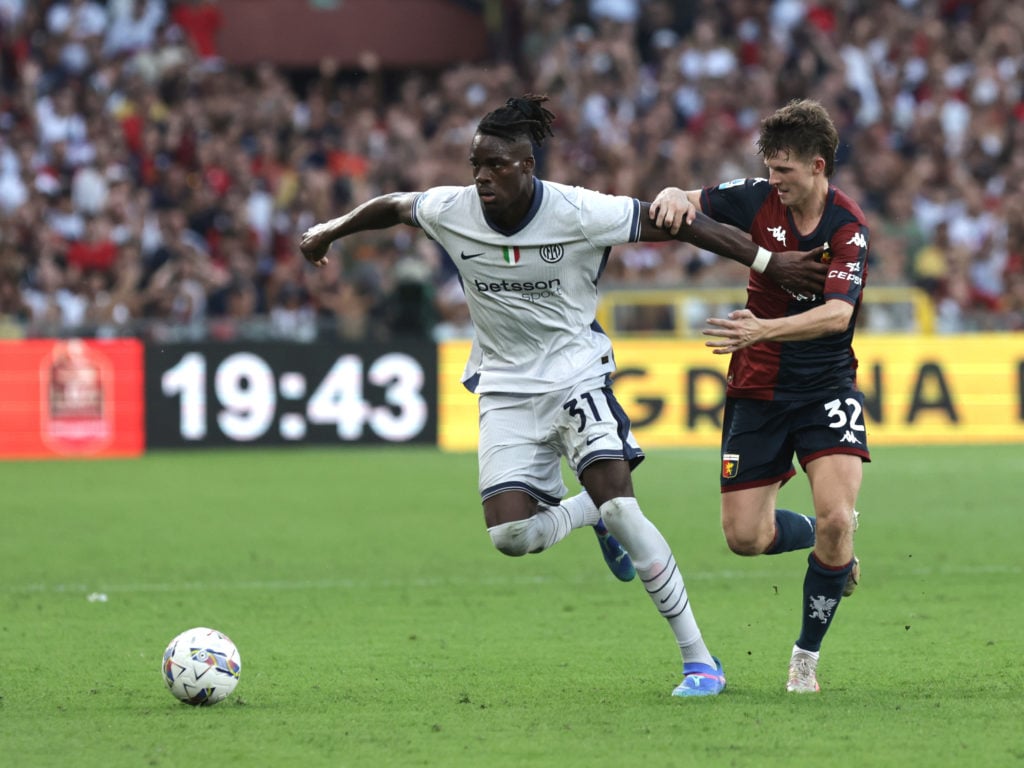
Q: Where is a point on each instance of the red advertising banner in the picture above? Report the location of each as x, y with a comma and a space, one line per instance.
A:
71, 398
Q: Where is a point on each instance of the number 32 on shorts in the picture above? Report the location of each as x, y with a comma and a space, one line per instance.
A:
845, 418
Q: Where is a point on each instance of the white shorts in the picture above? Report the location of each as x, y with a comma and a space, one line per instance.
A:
524, 437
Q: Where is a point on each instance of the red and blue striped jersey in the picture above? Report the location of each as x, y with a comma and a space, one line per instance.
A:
794, 370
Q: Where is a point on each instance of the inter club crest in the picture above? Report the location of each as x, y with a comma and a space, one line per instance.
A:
552, 254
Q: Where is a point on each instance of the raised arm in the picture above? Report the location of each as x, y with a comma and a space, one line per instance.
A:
379, 213
796, 271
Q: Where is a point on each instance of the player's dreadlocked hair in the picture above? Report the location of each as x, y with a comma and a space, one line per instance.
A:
519, 117
802, 127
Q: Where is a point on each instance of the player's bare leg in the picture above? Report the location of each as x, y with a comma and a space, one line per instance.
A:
753, 525
748, 519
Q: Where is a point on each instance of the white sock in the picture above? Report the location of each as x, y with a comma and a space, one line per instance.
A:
656, 565
581, 510
813, 654
545, 528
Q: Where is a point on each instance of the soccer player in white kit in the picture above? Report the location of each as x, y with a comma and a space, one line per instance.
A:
530, 253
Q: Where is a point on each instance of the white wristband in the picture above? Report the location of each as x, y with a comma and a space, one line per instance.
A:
761, 260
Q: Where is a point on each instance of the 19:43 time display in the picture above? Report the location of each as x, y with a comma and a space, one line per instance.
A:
286, 394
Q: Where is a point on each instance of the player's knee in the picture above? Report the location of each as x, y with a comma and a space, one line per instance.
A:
834, 525
743, 542
615, 512
512, 539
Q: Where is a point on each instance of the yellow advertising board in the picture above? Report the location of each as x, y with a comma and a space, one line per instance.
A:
918, 389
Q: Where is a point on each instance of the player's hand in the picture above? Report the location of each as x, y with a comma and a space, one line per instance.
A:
799, 272
741, 329
314, 244
671, 209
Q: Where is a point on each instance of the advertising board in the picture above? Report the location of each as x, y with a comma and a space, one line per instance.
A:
70, 398
918, 390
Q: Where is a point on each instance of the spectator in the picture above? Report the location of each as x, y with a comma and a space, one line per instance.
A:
239, 318
53, 306
201, 21
77, 26
292, 316
95, 251
133, 26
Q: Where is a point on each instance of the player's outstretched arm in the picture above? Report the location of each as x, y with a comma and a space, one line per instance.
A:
379, 213
800, 272
742, 328
674, 207
797, 271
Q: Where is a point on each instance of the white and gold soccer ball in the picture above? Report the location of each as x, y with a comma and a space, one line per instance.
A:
201, 666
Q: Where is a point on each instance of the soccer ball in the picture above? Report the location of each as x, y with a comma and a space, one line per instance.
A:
201, 666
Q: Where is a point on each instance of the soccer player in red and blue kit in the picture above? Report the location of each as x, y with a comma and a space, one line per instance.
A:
792, 377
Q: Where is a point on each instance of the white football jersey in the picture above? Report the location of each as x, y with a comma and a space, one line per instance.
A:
532, 292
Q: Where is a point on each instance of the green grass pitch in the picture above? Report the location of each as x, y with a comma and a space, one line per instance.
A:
378, 627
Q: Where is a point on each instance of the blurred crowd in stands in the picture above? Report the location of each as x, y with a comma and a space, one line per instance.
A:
148, 187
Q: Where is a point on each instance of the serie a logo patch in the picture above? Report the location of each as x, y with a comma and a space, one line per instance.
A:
730, 464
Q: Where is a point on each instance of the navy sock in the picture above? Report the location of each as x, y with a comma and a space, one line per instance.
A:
792, 531
823, 589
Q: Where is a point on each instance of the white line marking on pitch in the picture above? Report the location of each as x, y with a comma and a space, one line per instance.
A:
346, 584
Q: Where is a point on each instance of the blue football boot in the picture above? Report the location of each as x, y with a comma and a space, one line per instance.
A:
617, 558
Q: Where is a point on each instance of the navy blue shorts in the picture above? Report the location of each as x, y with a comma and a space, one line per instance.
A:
760, 437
